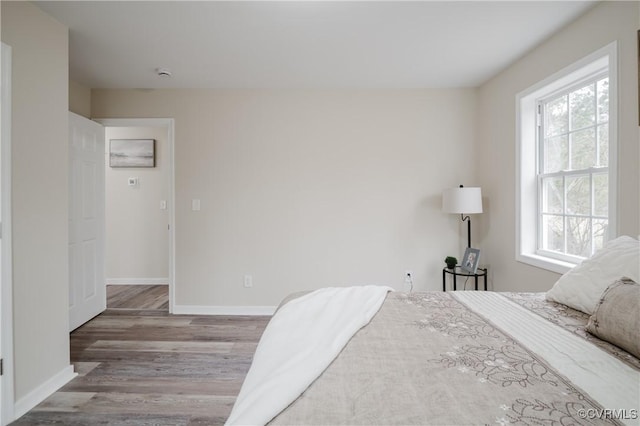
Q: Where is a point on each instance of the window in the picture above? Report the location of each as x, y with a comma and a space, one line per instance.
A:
566, 164
573, 173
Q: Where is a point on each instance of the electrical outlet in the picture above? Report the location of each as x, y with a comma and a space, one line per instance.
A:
408, 276
408, 281
248, 281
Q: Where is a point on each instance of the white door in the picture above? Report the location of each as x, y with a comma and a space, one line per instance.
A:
87, 290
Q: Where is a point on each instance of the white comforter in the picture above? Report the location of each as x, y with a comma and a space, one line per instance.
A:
299, 343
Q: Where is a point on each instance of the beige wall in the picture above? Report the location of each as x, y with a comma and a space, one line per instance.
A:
79, 99
40, 193
605, 23
302, 189
137, 240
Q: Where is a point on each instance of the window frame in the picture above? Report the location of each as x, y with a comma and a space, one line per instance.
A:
528, 157
590, 172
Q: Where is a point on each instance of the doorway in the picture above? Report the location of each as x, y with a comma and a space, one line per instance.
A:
139, 297
140, 211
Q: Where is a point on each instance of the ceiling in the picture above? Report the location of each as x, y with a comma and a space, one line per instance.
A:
302, 44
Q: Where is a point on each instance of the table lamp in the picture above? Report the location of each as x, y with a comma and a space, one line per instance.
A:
463, 201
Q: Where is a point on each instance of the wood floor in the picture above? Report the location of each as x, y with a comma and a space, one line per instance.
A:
146, 367
138, 297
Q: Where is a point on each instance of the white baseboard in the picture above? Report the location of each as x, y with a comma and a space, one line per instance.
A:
223, 310
137, 281
43, 391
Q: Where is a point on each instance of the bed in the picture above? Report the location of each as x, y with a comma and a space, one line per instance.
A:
369, 355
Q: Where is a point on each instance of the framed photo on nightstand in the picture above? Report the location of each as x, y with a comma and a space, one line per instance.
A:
470, 260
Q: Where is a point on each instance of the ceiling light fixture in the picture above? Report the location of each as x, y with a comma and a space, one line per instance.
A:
163, 72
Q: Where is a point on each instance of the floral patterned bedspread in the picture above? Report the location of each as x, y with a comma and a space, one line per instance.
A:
426, 358
569, 319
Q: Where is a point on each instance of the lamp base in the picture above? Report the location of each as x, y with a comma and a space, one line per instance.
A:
468, 219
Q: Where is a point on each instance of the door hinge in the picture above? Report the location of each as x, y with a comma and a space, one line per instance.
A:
1, 366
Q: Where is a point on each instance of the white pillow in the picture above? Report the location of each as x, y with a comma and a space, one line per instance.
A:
582, 287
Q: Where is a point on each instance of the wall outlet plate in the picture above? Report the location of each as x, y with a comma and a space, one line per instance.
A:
248, 281
408, 276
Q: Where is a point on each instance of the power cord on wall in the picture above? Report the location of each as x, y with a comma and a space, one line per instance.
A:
409, 280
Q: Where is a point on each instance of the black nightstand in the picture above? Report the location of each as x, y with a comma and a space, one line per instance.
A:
459, 272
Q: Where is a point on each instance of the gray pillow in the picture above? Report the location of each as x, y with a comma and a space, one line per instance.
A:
617, 316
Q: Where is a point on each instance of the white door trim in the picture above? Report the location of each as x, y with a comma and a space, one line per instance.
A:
6, 321
167, 123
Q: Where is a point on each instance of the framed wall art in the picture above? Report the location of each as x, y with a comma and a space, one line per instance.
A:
132, 153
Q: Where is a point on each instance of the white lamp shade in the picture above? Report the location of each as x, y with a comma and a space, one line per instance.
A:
462, 200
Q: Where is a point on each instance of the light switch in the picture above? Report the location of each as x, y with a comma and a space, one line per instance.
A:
133, 181
163, 204
195, 205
